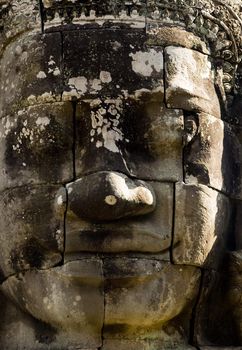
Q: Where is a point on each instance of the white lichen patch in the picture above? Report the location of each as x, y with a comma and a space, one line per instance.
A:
105, 77
53, 68
60, 200
147, 62
31, 133
42, 121
41, 75
79, 84
7, 126
105, 120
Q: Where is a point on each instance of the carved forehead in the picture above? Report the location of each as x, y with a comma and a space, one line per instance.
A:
94, 63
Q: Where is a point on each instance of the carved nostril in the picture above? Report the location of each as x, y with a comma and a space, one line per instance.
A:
109, 196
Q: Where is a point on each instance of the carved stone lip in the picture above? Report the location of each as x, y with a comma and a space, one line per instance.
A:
118, 240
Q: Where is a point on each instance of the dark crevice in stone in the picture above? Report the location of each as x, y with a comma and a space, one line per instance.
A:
173, 224
64, 236
194, 311
44, 333
23, 271
74, 104
164, 78
41, 10
104, 308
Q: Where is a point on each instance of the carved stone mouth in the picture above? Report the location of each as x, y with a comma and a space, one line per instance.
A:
117, 240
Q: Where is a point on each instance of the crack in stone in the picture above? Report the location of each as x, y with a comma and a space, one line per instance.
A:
173, 225
194, 311
41, 11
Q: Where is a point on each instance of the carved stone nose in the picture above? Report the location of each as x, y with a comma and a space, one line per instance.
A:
109, 196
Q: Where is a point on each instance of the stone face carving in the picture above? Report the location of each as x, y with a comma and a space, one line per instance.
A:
120, 175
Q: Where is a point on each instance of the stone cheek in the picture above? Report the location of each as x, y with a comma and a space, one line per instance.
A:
32, 232
36, 145
202, 219
190, 81
30, 72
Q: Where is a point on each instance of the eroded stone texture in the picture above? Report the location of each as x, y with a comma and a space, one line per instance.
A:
132, 314
175, 36
32, 234
218, 315
16, 17
213, 154
238, 225
145, 233
200, 239
63, 298
220, 348
84, 242
139, 66
116, 196
190, 81
30, 72
36, 145
141, 139
124, 344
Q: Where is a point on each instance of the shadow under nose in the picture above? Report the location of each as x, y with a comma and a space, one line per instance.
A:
109, 196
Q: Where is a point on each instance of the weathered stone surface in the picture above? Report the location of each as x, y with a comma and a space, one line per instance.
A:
238, 225
32, 234
213, 154
190, 81
124, 344
96, 72
142, 139
175, 36
220, 348
30, 72
116, 196
111, 288
36, 145
69, 298
17, 17
215, 326
146, 233
154, 150
202, 226
132, 314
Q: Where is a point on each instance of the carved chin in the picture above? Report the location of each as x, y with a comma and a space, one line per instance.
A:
128, 296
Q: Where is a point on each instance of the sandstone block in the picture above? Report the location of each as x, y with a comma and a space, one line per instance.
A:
144, 233
202, 226
119, 344
213, 154
219, 327
36, 146
32, 234
68, 298
142, 139
95, 73
131, 313
190, 81
30, 72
